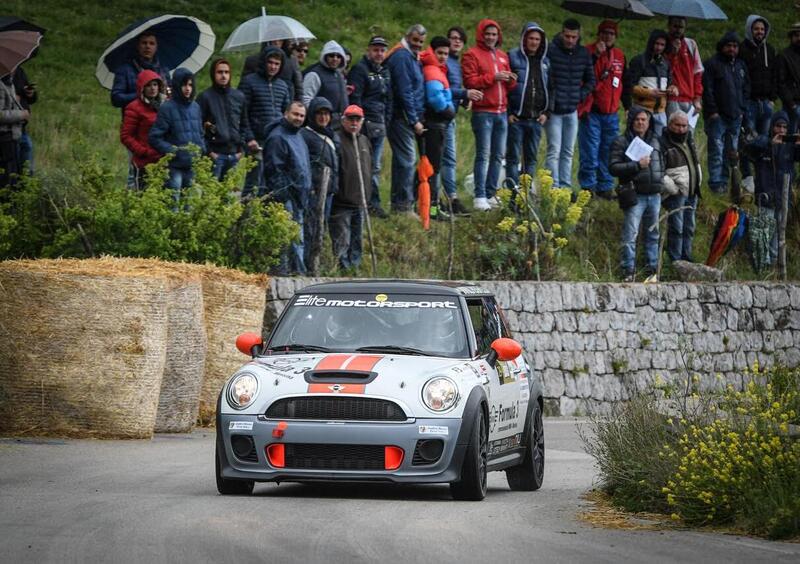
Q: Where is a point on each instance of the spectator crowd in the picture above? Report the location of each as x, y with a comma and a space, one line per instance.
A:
318, 129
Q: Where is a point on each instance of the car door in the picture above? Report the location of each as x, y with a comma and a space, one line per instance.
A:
506, 411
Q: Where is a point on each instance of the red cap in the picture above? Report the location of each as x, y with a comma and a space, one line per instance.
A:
608, 24
353, 110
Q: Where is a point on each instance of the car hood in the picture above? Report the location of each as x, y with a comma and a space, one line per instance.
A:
392, 376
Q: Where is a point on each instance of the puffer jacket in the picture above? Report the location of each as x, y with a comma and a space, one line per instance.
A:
726, 84
408, 84
439, 107
609, 73
321, 80
11, 111
225, 110
179, 123
480, 64
372, 90
138, 119
267, 98
771, 161
646, 181
520, 65
645, 72
353, 148
761, 62
323, 147
287, 167
571, 75
123, 91
683, 173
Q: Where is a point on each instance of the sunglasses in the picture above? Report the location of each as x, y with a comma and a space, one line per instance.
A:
337, 55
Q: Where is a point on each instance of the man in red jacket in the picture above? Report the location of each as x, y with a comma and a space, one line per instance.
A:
486, 68
687, 68
137, 120
599, 122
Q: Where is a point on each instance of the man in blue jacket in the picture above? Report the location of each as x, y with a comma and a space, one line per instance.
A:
267, 96
408, 92
371, 87
179, 124
528, 101
572, 80
123, 91
726, 90
287, 174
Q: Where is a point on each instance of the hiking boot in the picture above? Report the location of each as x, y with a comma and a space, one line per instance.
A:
458, 208
481, 204
378, 212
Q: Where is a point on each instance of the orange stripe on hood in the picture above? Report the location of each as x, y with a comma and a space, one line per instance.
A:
364, 362
333, 361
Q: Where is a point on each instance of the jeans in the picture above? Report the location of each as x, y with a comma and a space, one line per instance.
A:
254, 180
757, 118
402, 140
523, 138
223, 163
490, 148
292, 259
645, 214
377, 158
447, 172
659, 123
345, 225
25, 152
680, 226
596, 132
178, 179
562, 130
723, 135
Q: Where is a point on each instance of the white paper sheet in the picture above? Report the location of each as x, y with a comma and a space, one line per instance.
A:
693, 117
638, 149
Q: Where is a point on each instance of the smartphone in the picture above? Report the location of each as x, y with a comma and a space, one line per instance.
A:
791, 138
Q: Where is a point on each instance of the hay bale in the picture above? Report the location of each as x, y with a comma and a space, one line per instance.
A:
84, 349
234, 303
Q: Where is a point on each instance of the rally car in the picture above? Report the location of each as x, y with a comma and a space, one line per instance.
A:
392, 381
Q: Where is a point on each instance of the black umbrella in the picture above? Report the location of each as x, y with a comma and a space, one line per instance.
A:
13, 23
612, 9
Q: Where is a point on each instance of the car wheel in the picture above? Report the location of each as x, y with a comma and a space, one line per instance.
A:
529, 475
472, 485
231, 487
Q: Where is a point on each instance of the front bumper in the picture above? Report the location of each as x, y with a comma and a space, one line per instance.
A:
404, 435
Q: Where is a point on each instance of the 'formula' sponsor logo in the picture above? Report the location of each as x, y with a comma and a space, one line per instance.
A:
311, 300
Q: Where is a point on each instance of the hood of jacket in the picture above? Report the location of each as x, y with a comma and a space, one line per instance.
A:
482, 25
180, 77
632, 113
268, 51
213, 70
332, 48
428, 59
144, 77
533, 26
729, 37
317, 104
651, 41
780, 115
748, 27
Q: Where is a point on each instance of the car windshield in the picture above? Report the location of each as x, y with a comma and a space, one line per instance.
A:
393, 324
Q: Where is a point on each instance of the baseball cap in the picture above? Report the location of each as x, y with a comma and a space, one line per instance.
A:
378, 40
353, 110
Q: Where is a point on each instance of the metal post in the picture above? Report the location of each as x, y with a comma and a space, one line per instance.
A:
787, 185
364, 209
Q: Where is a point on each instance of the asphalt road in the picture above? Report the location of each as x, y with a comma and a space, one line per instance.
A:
156, 501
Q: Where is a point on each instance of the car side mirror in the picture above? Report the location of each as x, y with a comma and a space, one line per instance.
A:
503, 349
249, 343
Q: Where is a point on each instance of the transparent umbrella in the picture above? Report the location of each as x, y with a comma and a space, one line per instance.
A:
266, 28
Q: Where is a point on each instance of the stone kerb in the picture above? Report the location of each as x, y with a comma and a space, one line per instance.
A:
596, 344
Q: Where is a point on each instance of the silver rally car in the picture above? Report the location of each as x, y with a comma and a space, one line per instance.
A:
393, 381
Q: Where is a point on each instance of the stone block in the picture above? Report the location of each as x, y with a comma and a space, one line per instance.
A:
763, 320
735, 295
567, 406
573, 296
708, 342
787, 319
715, 317
565, 321
583, 382
759, 295
548, 298
570, 386
778, 298
552, 359
706, 293
553, 382
794, 296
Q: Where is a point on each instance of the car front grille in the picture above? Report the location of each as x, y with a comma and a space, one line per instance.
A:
336, 408
334, 457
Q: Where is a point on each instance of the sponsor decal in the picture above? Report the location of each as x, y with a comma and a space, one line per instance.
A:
506, 415
381, 298
506, 443
286, 367
311, 300
433, 430
240, 426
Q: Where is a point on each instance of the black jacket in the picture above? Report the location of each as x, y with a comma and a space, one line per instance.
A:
645, 70
789, 77
352, 148
726, 84
761, 62
771, 161
323, 148
372, 90
225, 122
571, 76
648, 180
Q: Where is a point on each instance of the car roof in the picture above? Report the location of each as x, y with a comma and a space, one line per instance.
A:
435, 287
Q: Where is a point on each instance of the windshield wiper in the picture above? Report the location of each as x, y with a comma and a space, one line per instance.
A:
298, 347
392, 349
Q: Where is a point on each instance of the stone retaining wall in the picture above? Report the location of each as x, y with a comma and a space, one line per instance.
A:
595, 344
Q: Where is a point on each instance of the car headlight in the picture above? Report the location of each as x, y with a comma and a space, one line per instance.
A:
440, 394
242, 390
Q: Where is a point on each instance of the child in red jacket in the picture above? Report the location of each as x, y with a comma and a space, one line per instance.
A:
137, 120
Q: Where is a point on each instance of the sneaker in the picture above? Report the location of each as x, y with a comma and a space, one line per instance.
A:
749, 184
493, 202
458, 208
378, 212
438, 214
652, 279
481, 204
628, 277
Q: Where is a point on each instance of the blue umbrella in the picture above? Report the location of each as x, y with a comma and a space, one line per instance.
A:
698, 9
183, 41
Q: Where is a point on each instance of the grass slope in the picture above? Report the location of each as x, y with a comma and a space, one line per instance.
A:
74, 117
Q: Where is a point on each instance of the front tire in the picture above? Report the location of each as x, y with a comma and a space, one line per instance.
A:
529, 475
472, 485
230, 487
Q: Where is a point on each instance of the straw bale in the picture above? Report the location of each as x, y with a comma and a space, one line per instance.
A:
83, 353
